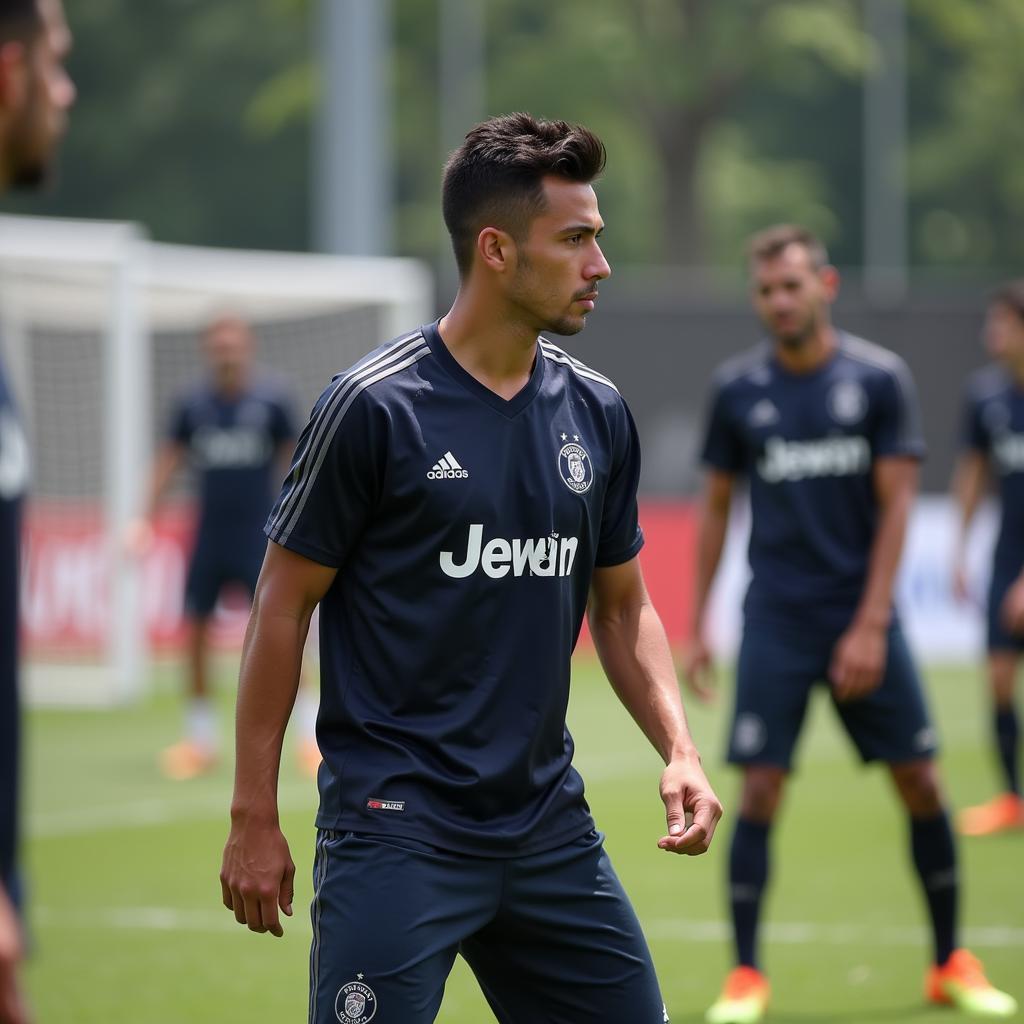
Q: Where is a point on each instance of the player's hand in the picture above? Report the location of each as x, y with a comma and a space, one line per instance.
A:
138, 537
1012, 608
858, 661
691, 808
699, 671
13, 1009
961, 588
257, 875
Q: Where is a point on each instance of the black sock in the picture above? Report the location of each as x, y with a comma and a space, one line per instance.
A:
931, 842
1008, 745
748, 873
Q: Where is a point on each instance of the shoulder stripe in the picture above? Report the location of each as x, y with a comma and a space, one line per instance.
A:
890, 363
347, 388
558, 355
740, 365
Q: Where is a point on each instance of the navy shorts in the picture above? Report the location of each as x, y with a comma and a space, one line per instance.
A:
777, 668
999, 637
551, 938
215, 563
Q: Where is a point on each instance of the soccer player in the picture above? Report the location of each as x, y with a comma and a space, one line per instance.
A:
35, 95
994, 443
824, 427
234, 429
459, 500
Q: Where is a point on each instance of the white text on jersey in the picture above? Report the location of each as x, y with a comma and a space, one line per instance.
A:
803, 460
447, 468
540, 556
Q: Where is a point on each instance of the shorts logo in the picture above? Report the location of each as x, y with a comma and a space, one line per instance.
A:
575, 468
847, 402
375, 804
749, 734
925, 740
355, 1003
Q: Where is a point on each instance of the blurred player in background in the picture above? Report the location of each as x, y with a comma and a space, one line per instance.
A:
994, 444
459, 500
236, 431
824, 426
35, 95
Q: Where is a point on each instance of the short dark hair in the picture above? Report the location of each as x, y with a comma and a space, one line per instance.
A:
1010, 294
770, 242
495, 176
19, 20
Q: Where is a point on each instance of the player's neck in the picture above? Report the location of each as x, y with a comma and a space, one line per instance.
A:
498, 351
812, 354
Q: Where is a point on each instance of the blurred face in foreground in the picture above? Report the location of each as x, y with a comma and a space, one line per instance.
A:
1004, 333
559, 263
792, 296
228, 347
35, 96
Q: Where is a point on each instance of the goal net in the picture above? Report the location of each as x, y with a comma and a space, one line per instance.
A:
99, 330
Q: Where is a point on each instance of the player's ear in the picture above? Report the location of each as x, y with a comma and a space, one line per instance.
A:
830, 281
495, 249
13, 75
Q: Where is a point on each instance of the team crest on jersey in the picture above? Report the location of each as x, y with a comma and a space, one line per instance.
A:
847, 402
355, 1003
996, 416
575, 467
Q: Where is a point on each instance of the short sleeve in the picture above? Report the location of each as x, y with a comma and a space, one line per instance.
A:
179, 424
974, 431
897, 420
334, 481
723, 447
621, 537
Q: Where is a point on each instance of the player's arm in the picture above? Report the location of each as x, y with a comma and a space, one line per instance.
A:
168, 459
714, 523
634, 652
858, 661
970, 480
12, 1005
257, 872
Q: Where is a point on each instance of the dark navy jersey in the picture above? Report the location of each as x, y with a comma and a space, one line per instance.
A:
807, 444
994, 426
465, 529
232, 444
13, 482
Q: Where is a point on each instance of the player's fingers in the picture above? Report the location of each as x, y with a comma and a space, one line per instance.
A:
238, 906
225, 894
269, 917
252, 910
287, 891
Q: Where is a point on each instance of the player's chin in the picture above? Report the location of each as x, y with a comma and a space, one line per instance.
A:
567, 325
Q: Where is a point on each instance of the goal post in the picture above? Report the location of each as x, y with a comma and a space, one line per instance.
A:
99, 331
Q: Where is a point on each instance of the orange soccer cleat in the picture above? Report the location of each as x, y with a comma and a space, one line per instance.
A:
961, 982
744, 998
1000, 814
187, 760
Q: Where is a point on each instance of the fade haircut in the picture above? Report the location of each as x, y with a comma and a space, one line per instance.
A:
20, 20
771, 242
495, 177
1010, 295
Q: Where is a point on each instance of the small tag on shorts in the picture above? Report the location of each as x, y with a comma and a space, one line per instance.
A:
374, 804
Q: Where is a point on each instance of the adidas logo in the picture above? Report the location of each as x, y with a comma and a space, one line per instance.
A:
447, 468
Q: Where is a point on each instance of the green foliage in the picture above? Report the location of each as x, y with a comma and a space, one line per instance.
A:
195, 118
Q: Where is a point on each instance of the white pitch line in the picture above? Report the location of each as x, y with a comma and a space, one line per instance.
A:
174, 919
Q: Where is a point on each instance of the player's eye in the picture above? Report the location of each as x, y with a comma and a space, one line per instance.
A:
574, 239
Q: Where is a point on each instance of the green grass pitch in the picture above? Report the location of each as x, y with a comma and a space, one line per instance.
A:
125, 903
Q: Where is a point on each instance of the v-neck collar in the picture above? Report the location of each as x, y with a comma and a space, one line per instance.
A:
507, 407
